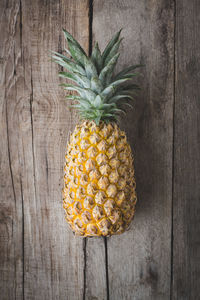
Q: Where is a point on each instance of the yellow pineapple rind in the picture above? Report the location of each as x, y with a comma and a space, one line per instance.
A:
99, 194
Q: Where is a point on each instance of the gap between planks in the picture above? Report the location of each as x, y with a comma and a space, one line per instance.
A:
105, 238
173, 155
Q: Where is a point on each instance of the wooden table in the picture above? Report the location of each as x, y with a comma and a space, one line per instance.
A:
159, 257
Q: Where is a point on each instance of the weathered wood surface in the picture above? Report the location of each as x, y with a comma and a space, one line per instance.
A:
186, 213
139, 261
158, 258
11, 213
40, 258
54, 259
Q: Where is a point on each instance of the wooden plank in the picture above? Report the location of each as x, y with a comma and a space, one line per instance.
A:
186, 224
139, 260
54, 258
96, 287
95, 251
11, 207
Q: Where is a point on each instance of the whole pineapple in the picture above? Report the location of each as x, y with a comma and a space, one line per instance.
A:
99, 193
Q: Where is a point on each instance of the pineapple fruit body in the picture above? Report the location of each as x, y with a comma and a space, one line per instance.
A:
99, 194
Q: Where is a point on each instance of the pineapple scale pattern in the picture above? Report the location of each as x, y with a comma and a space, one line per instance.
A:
99, 194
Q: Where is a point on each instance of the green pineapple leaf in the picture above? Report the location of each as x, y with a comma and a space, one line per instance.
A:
90, 68
96, 85
119, 98
111, 89
127, 70
100, 94
96, 57
68, 37
130, 75
76, 53
108, 69
69, 65
127, 104
97, 101
110, 45
73, 97
83, 81
62, 56
113, 51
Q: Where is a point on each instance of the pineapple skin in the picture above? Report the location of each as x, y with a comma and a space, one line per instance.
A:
99, 194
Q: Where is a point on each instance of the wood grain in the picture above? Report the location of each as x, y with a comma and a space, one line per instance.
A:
158, 258
186, 224
139, 260
40, 260
54, 258
95, 269
11, 162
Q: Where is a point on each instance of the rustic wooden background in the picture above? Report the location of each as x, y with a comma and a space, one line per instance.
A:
159, 257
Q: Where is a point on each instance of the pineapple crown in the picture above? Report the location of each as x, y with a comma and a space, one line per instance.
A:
102, 94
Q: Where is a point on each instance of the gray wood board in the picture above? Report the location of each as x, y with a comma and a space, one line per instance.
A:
11, 207
55, 259
95, 275
186, 213
40, 258
139, 261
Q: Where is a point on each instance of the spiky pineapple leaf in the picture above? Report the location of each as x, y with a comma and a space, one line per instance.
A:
118, 110
97, 101
110, 45
68, 36
119, 98
127, 104
108, 106
108, 69
68, 75
73, 97
113, 51
71, 87
111, 89
108, 115
62, 56
96, 85
83, 81
128, 89
127, 70
64, 64
96, 57
85, 93
82, 105
101, 95
76, 53
80, 100
68, 64
129, 75
67, 51
90, 68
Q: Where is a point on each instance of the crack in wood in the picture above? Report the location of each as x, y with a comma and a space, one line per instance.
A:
90, 25
84, 267
21, 187
32, 131
106, 267
23, 240
173, 153
8, 143
20, 22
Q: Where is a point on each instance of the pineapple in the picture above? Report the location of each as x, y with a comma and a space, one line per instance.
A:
99, 194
